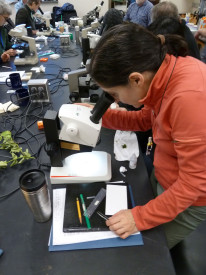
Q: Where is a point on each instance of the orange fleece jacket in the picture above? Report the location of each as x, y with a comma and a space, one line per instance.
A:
175, 108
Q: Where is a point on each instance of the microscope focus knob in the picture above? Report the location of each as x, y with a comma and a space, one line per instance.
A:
74, 96
72, 130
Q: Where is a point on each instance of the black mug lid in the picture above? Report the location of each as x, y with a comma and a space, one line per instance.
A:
32, 180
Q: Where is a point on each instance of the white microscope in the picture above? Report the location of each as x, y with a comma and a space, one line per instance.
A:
46, 17
27, 51
76, 128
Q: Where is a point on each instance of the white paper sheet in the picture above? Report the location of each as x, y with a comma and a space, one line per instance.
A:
116, 199
60, 237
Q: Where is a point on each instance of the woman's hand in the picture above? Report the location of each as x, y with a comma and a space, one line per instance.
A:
200, 32
34, 32
91, 106
11, 52
5, 57
122, 223
86, 105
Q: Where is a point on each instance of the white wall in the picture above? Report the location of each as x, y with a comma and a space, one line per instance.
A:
81, 6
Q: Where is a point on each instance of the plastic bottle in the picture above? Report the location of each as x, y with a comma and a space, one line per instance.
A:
66, 28
133, 161
187, 18
77, 35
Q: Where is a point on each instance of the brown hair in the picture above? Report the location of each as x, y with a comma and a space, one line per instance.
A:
165, 8
33, 1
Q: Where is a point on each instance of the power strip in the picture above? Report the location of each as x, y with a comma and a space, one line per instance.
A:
65, 40
39, 90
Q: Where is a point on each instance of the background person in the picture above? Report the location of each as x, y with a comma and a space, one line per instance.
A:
25, 15
139, 12
198, 34
170, 25
155, 71
5, 45
166, 25
111, 18
154, 2
170, 10
20, 4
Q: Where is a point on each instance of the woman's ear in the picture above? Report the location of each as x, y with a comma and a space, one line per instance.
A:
136, 78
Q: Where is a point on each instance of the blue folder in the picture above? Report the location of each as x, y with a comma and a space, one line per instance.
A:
112, 242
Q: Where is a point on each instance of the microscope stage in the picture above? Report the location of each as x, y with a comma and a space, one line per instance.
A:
83, 168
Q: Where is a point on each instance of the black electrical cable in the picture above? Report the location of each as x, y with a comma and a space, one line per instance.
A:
30, 132
10, 193
38, 154
25, 140
56, 88
38, 117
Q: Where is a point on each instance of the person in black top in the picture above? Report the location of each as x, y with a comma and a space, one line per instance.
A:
169, 10
170, 25
26, 15
111, 18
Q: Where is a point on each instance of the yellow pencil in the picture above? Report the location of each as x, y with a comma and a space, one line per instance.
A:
79, 211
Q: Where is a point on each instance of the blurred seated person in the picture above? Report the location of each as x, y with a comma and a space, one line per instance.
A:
111, 18
166, 25
154, 2
201, 34
170, 25
8, 26
25, 15
139, 12
20, 4
5, 45
168, 9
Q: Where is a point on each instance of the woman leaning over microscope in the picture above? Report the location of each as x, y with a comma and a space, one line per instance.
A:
5, 45
138, 68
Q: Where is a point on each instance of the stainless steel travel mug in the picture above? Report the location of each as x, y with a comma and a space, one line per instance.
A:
33, 184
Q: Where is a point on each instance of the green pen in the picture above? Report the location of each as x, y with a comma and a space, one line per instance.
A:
85, 212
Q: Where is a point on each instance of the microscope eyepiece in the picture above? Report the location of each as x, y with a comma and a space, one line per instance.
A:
101, 106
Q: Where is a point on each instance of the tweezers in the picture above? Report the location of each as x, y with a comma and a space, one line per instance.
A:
102, 215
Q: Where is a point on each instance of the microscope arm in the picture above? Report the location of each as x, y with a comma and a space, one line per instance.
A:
32, 44
73, 79
93, 26
33, 57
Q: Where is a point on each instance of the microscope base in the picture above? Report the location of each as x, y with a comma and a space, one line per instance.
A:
26, 61
44, 33
83, 168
